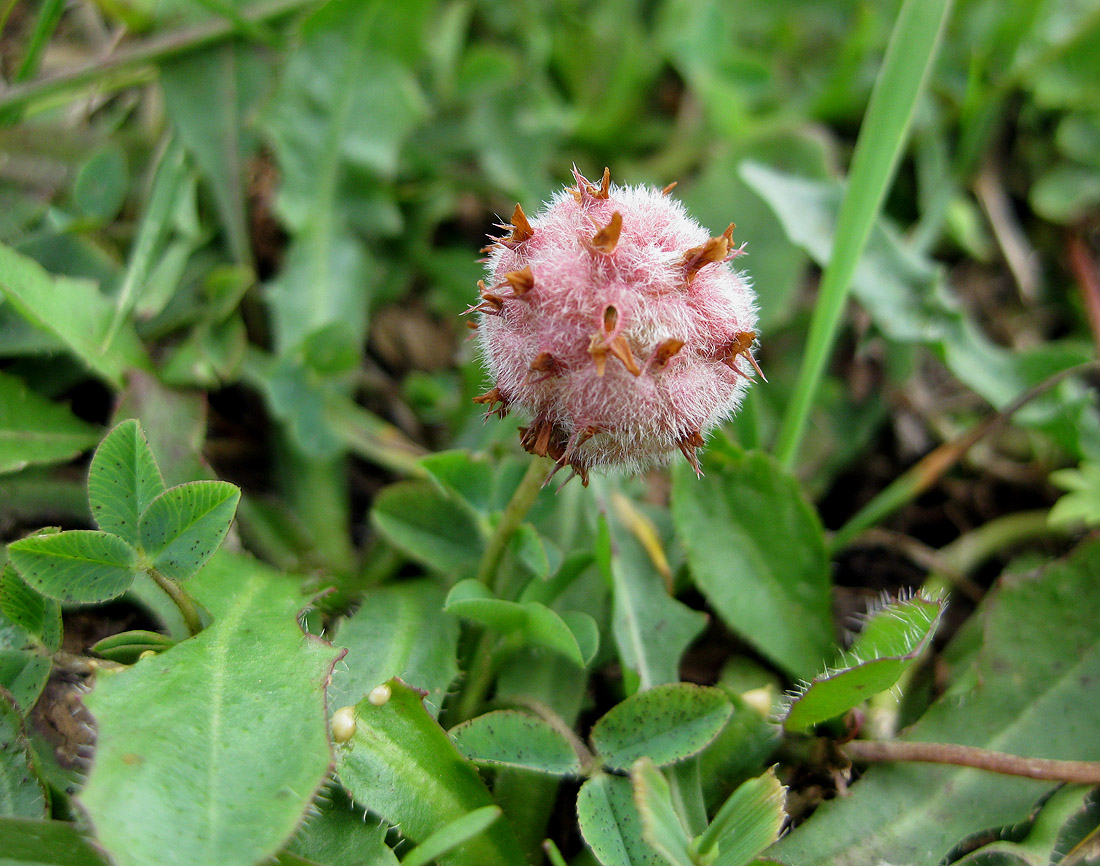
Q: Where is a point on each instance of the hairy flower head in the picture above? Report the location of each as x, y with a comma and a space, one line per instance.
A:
617, 323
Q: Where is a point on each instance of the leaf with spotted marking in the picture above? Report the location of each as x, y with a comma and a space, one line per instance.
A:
122, 480
80, 565
181, 528
665, 724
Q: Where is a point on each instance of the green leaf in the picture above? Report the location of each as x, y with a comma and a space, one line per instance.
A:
338, 120
666, 723
22, 794
430, 527
893, 638
210, 752
126, 647
537, 623
73, 311
181, 528
34, 430
29, 842
27, 610
467, 475
1058, 832
756, 549
458, 832
1081, 504
611, 825
651, 628
122, 480
334, 833
661, 826
513, 739
747, 823
207, 97
398, 631
401, 763
101, 183
1025, 692
24, 674
78, 566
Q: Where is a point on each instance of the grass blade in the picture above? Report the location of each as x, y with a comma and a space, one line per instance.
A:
901, 79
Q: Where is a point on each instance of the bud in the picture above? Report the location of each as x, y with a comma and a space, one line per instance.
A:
617, 323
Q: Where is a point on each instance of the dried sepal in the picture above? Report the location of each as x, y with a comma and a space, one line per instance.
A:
687, 445
714, 250
543, 438
521, 281
545, 366
521, 230
491, 303
741, 346
665, 351
491, 398
607, 238
668, 189
585, 189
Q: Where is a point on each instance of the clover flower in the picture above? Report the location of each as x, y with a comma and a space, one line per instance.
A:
616, 322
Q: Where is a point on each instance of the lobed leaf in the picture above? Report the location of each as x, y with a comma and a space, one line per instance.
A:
666, 723
211, 751
403, 766
893, 638
122, 480
184, 525
509, 738
80, 565
34, 430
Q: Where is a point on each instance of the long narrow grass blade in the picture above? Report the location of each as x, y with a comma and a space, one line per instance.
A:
893, 102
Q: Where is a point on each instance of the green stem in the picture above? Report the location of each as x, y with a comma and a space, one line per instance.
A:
904, 70
181, 599
514, 512
152, 51
479, 672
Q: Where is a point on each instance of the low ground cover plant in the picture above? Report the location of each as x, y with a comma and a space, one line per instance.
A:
792, 560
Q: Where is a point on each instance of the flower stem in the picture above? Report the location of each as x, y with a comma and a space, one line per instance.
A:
1083, 772
181, 599
479, 671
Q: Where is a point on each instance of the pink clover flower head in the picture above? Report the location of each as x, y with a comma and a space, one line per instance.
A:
617, 323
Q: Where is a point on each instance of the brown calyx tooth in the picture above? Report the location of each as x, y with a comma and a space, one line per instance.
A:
664, 352
687, 445
607, 238
714, 250
742, 346
491, 398
521, 282
546, 364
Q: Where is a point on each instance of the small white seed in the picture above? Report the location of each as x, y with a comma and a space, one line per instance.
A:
343, 724
379, 695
